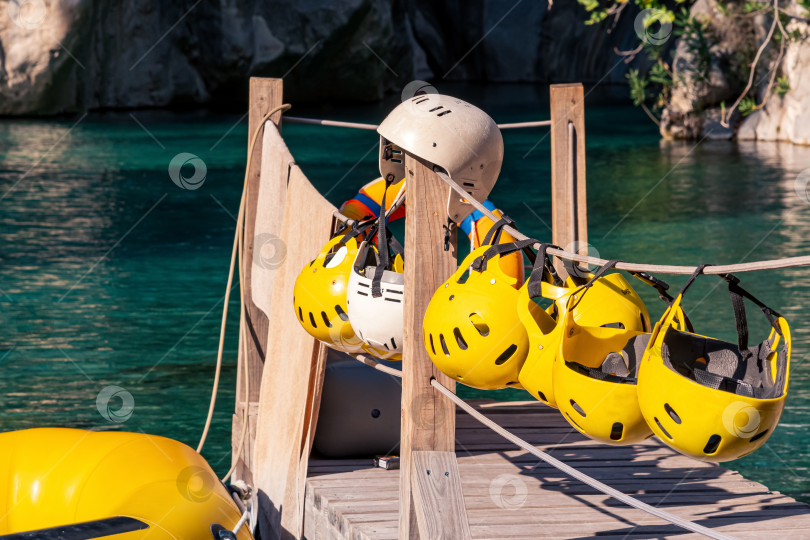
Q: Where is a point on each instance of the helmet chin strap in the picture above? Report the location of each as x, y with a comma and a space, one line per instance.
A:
382, 244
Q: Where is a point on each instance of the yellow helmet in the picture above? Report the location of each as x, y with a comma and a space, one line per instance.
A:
610, 301
471, 328
319, 295
606, 329
709, 399
543, 328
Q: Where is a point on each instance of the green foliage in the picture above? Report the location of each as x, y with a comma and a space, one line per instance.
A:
753, 7
638, 86
694, 33
782, 86
652, 86
747, 106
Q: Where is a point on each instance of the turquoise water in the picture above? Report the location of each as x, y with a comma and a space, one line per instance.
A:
112, 275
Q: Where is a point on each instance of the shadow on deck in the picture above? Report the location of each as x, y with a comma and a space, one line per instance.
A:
511, 494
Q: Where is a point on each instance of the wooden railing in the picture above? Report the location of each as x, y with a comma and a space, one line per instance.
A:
282, 409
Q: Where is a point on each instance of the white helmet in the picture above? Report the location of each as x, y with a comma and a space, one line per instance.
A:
377, 320
452, 135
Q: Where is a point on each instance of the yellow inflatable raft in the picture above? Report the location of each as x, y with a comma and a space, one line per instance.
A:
80, 484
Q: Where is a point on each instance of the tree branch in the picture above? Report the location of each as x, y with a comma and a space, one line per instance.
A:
776, 64
629, 55
651, 115
776, 21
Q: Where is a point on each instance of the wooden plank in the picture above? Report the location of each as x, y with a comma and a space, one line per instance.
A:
362, 502
428, 418
291, 371
438, 501
569, 220
265, 94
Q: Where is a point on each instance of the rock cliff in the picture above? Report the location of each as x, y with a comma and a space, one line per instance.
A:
71, 55
694, 109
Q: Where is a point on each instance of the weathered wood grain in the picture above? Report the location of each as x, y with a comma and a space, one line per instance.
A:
428, 419
438, 501
569, 219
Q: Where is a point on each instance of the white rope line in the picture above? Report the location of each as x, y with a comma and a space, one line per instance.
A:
633, 267
373, 127
770, 264
242, 520
335, 123
367, 360
574, 473
518, 125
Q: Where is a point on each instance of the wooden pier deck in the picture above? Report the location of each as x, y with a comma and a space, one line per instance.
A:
508, 493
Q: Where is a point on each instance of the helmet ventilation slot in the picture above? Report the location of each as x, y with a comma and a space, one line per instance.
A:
393, 344
341, 313
542, 396
432, 347
479, 324
712, 444
616, 325
417, 100
664, 431
758, 436
444, 345
672, 414
577, 408
572, 420
300, 314
448, 111
326, 320
643, 323
616, 431
460, 339
312, 320
506, 355
434, 109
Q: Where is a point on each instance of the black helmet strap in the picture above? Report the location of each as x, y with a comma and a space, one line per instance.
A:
493, 235
480, 264
738, 296
384, 242
542, 264
598, 274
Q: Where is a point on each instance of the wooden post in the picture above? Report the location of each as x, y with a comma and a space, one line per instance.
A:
265, 94
437, 485
568, 202
428, 419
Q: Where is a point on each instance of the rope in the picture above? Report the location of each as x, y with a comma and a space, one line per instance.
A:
242, 520
772, 264
769, 264
378, 366
554, 462
373, 127
519, 125
236, 252
574, 473
335, 123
